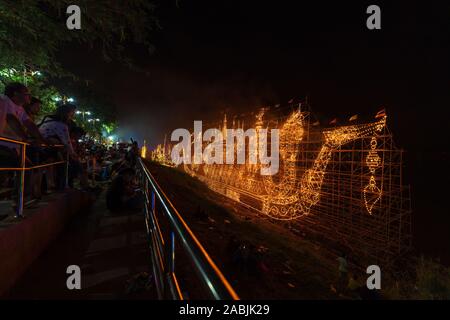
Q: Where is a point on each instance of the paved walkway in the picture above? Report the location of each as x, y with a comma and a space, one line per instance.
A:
109, 249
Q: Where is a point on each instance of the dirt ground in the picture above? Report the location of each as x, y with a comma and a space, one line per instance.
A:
282, 265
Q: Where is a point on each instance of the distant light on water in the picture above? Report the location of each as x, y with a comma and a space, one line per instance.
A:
144, 151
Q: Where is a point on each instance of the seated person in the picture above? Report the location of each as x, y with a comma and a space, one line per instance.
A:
78, 169
122, 194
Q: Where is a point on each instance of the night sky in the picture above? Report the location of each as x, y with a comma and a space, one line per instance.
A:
235, 56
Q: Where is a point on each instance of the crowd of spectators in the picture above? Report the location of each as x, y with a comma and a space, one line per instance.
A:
56, 138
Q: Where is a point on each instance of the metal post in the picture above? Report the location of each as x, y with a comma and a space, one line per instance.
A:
172, 252
153, 203
19, 213
66, 171
163, 254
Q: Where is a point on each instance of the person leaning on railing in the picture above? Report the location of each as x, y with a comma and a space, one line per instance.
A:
55, 129
16, 124
36, 155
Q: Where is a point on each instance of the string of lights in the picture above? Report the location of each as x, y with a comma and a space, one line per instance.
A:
331, 181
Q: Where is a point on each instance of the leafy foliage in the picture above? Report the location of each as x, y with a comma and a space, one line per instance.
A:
433, 280
48, 95
427, 280
35, 82
32, 31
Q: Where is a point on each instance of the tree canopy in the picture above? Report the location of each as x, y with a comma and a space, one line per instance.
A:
33, 31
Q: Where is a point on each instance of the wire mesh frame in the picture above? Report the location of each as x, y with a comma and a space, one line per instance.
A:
341, 216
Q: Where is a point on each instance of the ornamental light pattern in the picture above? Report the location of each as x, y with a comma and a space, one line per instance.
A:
342, 182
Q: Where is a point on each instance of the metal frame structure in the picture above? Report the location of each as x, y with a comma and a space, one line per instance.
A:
342, 183
23, 168
163, 248
376, 233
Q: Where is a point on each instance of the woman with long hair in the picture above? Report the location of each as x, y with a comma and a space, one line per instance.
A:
55, 128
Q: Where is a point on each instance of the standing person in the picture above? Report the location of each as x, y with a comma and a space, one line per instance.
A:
343, 272
8, 153
16, 96
17, 125
55, 129
10, 127
32, 109
133, 153
15, 122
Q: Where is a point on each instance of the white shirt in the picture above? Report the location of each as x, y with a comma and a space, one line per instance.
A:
51, 128
9, 107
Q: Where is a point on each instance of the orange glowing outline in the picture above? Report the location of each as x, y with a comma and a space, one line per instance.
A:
197, 242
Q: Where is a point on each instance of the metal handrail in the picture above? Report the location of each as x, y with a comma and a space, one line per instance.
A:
23, 145
163, 253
